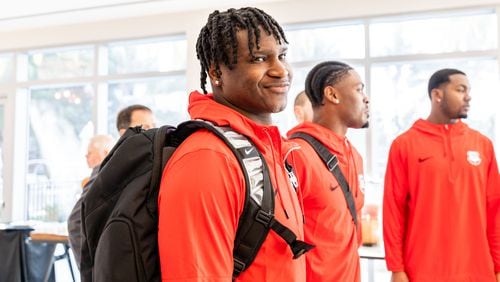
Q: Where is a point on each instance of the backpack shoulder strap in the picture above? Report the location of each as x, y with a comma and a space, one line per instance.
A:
332, 163
257, 217
160, 158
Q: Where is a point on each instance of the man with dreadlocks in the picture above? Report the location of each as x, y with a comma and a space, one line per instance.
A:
332, 206
242, 53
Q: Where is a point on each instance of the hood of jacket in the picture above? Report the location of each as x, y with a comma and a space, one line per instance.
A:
442, 132
203, 106
430, 128
336, 144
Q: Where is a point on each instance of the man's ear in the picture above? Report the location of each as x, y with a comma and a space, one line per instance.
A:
212, 73
331, 94
437, 95
299, 113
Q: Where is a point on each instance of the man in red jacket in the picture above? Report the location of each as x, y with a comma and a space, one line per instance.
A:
339, 103
442, 194
243, 54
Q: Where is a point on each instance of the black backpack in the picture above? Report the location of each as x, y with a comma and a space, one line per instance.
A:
120, 213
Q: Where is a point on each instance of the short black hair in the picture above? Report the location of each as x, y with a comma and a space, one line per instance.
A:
441, 76
217, 41
322, 75
124, 117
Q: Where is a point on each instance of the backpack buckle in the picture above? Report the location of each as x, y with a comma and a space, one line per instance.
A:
264, 218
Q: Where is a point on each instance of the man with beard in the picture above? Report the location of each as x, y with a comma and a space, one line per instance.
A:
442, 194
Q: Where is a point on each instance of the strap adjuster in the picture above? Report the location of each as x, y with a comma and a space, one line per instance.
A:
300, 247
332, 163
239, 266
264, 217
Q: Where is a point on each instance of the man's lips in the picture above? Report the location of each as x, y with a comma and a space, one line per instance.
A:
278, 87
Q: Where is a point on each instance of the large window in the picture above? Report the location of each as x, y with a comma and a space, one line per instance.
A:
75, 92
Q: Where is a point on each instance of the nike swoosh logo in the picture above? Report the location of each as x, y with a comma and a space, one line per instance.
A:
332, 188
423, 159
248, 151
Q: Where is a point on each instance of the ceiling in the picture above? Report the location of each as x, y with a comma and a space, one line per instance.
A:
35, 13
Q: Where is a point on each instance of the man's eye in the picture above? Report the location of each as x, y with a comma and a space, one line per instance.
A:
283, 56
258, 59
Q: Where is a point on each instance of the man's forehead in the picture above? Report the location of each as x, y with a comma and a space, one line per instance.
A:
242, 36
459, 79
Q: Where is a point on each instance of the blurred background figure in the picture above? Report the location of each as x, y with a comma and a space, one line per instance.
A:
135, 115
98, 149
302, 108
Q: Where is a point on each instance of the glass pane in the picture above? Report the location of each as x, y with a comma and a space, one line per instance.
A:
64, 63
6, 68
2, 122
399, 97
165, 55
60, 127
323, 43
166, 97
434, 35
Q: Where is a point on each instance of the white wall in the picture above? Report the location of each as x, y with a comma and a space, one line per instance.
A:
22, 34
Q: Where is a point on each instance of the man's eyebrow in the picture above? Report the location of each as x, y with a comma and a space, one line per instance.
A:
282, 48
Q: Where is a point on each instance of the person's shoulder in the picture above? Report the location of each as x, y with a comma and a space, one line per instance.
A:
405, 136
203, 148
203, 139
302, 148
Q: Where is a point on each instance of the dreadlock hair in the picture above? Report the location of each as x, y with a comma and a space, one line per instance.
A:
440, 77
217, 42
322, 75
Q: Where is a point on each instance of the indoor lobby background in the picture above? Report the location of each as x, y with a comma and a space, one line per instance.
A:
67, 67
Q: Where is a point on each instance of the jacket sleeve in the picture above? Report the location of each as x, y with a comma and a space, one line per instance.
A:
201, 198
493, 210
395, 207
